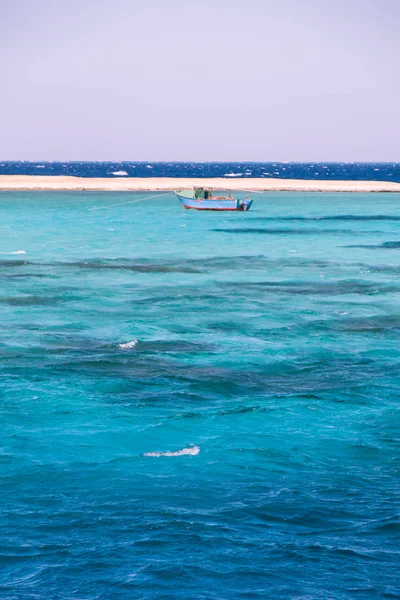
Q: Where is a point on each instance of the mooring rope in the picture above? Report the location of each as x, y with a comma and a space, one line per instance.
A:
128, 202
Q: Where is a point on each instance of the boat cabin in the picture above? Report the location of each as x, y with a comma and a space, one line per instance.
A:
202, 194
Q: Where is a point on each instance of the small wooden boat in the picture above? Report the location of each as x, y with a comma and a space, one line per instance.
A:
203, 199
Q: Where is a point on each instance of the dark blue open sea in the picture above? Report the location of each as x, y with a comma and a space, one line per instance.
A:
199, 405
316, 170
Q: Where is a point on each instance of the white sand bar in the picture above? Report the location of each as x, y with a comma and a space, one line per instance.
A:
135, 184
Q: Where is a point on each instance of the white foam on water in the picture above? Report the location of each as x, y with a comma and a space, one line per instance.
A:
233, 174
39, 167
191, 451
128, 345
119, 173
16, 252
149, 166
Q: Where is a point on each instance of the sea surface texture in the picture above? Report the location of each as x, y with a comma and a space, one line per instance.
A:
199, 405
324, 171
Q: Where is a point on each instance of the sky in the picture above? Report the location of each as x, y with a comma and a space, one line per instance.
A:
212, 80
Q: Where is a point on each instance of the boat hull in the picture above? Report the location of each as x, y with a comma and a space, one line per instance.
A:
216, 204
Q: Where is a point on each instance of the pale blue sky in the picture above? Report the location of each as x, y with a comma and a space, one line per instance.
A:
211, 80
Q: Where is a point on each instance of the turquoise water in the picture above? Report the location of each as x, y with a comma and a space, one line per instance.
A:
267, 347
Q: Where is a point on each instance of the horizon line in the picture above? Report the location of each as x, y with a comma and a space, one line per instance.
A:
226, 162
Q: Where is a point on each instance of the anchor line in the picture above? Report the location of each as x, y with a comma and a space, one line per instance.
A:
128, 202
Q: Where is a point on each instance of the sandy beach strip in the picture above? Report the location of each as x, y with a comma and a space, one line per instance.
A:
151, 184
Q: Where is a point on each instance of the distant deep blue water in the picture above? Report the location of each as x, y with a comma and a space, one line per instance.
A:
268, 340
327, 171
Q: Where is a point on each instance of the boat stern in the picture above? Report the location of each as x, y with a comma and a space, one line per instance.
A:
244, 204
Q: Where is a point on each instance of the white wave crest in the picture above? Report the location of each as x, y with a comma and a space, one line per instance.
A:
191, 450
233, 174
119, 173
128, 345
16, 252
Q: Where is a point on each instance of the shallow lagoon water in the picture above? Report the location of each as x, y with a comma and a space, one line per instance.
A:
267, 340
